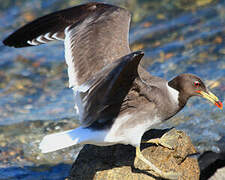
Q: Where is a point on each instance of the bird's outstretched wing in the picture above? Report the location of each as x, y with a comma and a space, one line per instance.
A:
95, 34
107, 89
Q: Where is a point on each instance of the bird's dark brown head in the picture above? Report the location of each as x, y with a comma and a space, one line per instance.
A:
190, 85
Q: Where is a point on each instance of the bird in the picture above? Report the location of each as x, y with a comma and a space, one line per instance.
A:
116, 99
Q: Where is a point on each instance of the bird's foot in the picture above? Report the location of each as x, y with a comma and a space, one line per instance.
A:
168, 140
166, 175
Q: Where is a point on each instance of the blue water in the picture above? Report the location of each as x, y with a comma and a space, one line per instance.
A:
36, 173
176, 37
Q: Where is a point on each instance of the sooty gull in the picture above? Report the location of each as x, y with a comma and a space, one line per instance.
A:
116, 100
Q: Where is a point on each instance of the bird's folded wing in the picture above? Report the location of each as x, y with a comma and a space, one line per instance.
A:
95, 34
104, 93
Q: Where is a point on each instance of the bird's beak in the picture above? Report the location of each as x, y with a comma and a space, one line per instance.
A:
212, 98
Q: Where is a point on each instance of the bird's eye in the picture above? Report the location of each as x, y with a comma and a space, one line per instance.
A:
197, 84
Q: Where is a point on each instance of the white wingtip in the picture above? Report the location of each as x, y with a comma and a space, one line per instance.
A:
54, 142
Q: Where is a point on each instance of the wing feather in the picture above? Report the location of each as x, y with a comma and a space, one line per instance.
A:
101, 68
94, 34
107, 89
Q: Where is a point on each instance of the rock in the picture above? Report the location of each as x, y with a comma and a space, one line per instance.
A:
219, 175
116, 162
211, 163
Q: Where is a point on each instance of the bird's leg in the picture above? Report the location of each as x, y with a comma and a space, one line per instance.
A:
168, 140
166, 175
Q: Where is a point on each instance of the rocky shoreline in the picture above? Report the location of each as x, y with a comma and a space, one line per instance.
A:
116, 162
94, 162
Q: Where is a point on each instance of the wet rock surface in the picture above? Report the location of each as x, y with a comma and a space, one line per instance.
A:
212, 163
219, 175
117, 162
178, 36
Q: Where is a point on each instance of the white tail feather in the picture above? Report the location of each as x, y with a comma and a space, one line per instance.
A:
58, 141
54, 142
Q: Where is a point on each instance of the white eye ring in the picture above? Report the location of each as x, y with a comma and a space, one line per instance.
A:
197, 84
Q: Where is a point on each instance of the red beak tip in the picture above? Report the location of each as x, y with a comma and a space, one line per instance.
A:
219, 105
